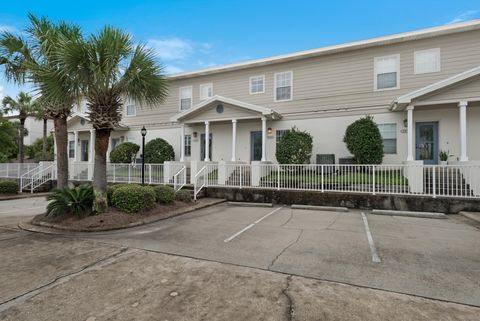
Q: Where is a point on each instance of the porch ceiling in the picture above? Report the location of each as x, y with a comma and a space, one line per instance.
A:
75, 124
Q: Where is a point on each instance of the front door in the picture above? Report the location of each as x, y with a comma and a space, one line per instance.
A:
84, 150
426, 142
255, 146
202, 147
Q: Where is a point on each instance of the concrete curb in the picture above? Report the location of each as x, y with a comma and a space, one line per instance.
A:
57, 229
23, 196
409, 214
319, 208
475, 216
248, 204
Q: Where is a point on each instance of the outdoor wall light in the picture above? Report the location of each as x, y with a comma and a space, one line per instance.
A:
195, 134
269, 131
405, 123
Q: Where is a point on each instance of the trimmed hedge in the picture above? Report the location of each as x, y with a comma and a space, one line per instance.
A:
164, 194
158, 151
124, 153
295, 147
133, 198
110, 190
9, 187
183, 195
364, 141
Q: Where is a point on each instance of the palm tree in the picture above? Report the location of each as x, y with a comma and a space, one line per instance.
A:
31, 60
107, 68
40, 114
23, 107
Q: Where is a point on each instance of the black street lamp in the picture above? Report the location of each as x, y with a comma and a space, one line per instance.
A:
144, 133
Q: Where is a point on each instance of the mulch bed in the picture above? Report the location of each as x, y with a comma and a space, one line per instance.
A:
113, 219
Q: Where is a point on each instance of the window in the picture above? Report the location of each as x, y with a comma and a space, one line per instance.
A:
427, 61
389, 136
206, 91
130, 108
283, 86
387, 72
71, 149
279, 134
257, 84
115, 142
188, 145
185, 98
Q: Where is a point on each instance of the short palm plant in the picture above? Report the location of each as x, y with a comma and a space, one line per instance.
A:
65, 201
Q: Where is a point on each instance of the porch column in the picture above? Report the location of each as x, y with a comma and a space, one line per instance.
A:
207, 141
234, 139
75, 149
91, 155
264, 139
463, 131
410, 133
182, 144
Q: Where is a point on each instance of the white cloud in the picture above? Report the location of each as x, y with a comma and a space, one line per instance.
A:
2, 94
170, 69
171, 48
8, 28
463, 16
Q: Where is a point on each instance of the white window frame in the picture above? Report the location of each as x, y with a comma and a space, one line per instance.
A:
250, 84
205, 85
71, 150
417, 52
130, 102
187, 137
396, 137
375, 59
275, 86
180, 97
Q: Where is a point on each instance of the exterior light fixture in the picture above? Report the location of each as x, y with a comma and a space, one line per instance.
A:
269, 131
195, 134
405, 123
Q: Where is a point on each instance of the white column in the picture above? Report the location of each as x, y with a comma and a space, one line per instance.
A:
207, 141
264, 139
75, 149
91, 155
463, 131
234, 139
410, 133
182, 144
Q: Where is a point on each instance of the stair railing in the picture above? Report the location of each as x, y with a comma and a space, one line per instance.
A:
199, 182
180, 179
26, 179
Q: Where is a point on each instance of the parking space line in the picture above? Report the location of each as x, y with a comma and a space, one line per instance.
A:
373, 249
251, 225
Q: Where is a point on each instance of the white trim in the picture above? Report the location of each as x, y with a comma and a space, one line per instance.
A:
384, 40
180, 97
275, 86
375, 59
209, 84
135, 110
434, 50
250, 84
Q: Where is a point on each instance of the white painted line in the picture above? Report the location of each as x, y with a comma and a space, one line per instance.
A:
251, 225
373, 249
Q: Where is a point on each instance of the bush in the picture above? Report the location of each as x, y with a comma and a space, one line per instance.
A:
3, 158
364, 141
124, 153
295, 147
183, 195
158, 151
77, 201
164, 194
133, 198
9, 187
110, 190
35, 151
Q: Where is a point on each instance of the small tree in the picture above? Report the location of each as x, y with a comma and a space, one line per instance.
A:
364, 141
295, 147
124, 153
158, 151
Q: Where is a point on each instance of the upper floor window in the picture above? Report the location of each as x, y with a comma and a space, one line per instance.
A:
387, 72
130, 109
257, 84
283, 86
389, 137
185, 98
427, 61
206, 91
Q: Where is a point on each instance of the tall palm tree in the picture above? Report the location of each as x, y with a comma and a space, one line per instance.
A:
31, 60
107, 68
23, 107
41, 115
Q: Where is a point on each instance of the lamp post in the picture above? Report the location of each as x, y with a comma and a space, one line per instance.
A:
144, 133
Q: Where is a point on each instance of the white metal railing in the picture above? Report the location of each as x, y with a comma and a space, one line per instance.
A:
37, 176
16, 170
180, 179
198, 182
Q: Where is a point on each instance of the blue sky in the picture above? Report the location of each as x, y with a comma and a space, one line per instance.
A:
189, 35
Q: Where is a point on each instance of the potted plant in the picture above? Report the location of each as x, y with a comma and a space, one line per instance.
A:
443, 155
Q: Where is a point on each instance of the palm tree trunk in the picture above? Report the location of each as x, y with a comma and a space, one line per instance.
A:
21, 154
44, 146
100, 170
61, 140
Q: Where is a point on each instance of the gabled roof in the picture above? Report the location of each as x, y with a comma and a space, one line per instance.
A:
406, 99
385, 40
220, 99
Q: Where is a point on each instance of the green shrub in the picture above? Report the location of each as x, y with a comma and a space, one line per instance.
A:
133, 198
164, 194
295, 147
8, 187
3, 158
364, 141
183, 195
158, 151
110, 190
77, 201
124, 153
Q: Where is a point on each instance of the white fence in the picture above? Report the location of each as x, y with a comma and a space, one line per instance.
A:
16, 170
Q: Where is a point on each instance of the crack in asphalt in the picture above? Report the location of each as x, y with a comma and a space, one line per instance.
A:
334, 221
290, 306
286, 248
60, 279
289, 219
